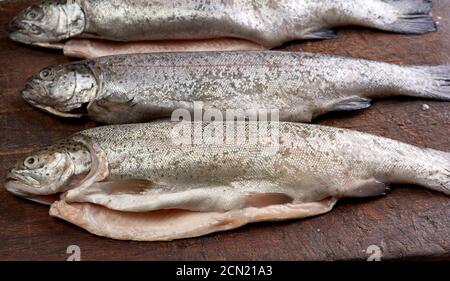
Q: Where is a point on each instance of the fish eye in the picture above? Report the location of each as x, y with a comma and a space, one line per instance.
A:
32, 15
31, 162
33, 12
46, 74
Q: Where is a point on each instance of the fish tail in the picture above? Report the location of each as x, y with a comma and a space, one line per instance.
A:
411, 6
413, 17
429, 82
432, 82
438, 177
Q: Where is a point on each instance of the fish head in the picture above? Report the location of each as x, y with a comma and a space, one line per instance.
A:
47, 21
62, 89
50, 170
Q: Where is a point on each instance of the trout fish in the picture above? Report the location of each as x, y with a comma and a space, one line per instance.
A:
170, 180
300, 86
268, 23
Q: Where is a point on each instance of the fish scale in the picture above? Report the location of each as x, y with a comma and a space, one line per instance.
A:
324, 152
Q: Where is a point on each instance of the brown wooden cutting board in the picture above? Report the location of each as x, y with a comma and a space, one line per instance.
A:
408, 223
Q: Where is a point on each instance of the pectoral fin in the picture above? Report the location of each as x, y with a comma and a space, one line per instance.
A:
166, 225
115, 106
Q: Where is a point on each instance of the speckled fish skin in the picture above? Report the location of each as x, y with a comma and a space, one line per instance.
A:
140, 169
311, 163
267, 22
301, 86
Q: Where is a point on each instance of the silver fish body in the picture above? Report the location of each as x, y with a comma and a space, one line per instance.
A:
269, 23
141, 173
307, 162
300, 86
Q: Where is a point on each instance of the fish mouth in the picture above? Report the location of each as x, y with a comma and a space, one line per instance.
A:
20, 37
17, 188
25, 183
18, 32
27, 93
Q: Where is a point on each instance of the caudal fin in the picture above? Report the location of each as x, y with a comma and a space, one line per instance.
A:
439, 178
431, 82
413, 17
411, 6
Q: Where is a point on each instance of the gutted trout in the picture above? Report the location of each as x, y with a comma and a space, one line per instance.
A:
300, 86
168, 180
91, 48
268, 23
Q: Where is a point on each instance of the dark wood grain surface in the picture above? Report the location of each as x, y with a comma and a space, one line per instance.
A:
410, 222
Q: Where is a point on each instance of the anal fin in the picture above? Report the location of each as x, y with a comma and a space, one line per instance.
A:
366, 188
352, 103
321, 34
